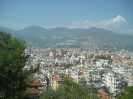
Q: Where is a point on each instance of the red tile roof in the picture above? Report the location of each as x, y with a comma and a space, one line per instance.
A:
104, 94
33, 86
34, 91
56, 77
34, 82
83, 70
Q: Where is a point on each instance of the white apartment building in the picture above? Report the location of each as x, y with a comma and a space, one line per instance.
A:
114, 82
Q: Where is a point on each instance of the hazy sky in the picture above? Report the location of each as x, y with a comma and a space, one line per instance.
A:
114, 15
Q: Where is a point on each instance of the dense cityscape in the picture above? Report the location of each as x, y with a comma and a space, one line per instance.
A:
108, 71
99, 60
66, 49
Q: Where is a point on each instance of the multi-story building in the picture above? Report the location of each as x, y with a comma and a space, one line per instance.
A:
114, 82
94, 80
56, 81
52, 53
61, 53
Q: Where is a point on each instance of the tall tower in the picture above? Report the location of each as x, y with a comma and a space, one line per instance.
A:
61, 53
52, 53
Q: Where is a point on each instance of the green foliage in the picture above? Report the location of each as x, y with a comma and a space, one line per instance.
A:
49, 94
91, 55
68, 90
101, 73
72, 90
110, 61
57, 64
12, 61
129, 89
103, 57
128, 93
69, 65
82, 81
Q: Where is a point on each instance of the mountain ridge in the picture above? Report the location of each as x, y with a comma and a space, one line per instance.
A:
35, 27
42, 36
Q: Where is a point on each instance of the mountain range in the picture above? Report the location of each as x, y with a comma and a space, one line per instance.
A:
49, 37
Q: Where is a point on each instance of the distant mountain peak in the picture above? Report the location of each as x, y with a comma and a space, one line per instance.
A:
33, 26
6, 29
93, 28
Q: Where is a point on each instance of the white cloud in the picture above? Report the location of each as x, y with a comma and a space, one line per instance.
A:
14, 26
118, 19
112, 22
128, 31
106, 24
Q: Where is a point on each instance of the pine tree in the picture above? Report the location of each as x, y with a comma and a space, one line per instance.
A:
13, 78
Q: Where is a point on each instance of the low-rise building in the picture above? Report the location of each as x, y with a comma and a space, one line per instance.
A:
33, 88
56, 81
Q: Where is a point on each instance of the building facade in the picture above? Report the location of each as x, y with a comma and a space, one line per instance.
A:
114, 82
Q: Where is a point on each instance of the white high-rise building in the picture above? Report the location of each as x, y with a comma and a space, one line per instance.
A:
114, 82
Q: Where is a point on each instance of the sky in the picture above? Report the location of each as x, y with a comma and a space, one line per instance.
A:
114, 15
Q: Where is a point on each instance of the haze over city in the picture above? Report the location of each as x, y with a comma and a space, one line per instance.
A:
114, 15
